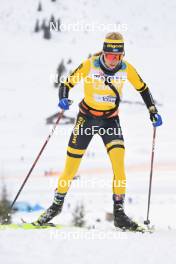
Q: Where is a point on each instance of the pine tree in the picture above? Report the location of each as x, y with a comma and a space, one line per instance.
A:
5, 216
39, 9
78, 216
52, 19
46, 33
60, 70
37, 27
52, 22
58, 24
43, 24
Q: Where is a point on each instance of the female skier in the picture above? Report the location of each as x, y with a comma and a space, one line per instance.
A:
104, 75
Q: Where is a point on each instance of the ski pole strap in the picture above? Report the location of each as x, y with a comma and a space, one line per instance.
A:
112, 87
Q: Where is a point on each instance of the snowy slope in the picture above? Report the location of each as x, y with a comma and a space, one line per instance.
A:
30, 62
27, 97
130, 248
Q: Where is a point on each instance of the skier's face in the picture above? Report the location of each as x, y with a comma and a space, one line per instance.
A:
112, 59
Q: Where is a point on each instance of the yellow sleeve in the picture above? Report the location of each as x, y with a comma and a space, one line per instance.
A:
135, 79
79, 73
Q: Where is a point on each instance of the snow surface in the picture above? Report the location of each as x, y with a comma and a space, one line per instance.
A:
27, 97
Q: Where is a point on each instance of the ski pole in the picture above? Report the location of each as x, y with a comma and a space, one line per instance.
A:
147, 221
60, 115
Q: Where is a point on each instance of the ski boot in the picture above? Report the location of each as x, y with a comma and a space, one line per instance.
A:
121, 220
52, 211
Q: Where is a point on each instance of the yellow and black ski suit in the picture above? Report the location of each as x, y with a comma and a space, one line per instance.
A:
99, 109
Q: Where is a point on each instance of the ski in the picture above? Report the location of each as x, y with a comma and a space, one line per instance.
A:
28, 226
139, 229
32, 226
35, 225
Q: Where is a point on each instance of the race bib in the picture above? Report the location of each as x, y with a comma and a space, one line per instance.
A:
104, 98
